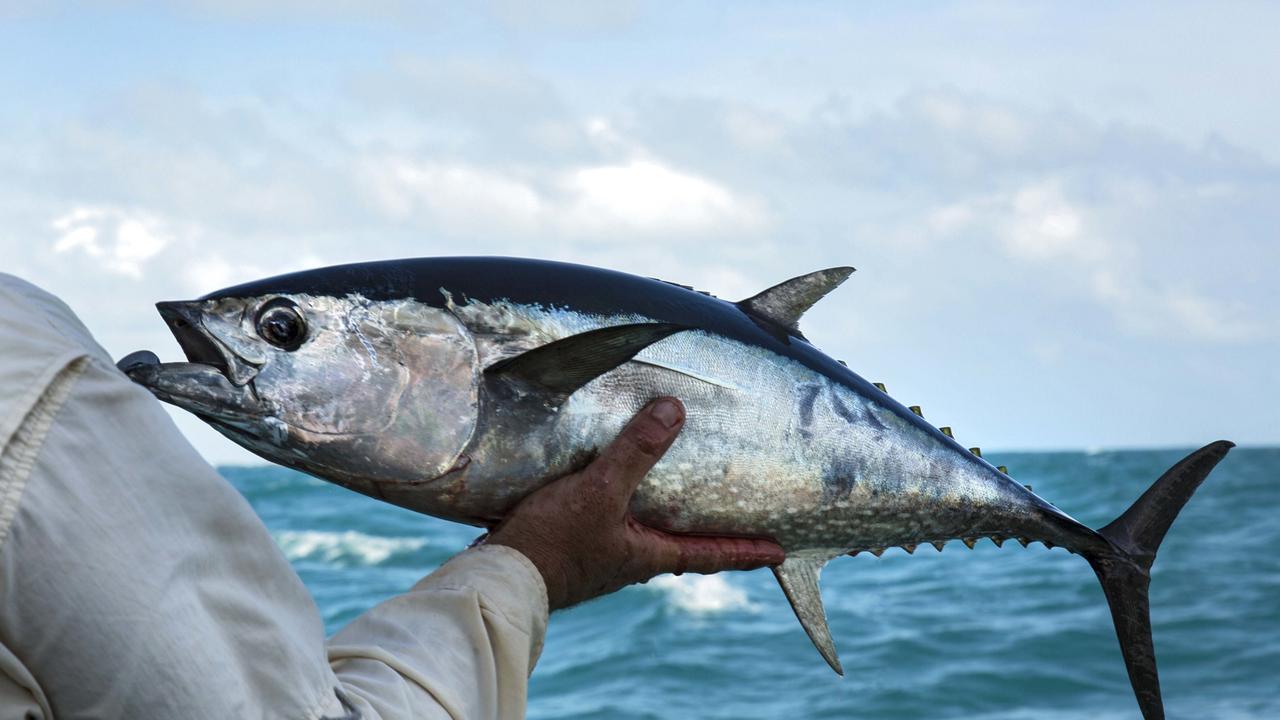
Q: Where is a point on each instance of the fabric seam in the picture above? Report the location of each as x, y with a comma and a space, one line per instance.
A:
37, 387
19, 455
494, 604
381, 655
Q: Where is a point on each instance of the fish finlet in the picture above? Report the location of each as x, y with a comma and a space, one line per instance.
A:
976, 451
878, 551
969, 542
916, 409
881, 387
1028, 487
1002, 468
946, 430
939, 544
909, 547
1025, 542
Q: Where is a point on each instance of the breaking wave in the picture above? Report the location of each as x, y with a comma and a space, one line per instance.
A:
701, 594
343, 548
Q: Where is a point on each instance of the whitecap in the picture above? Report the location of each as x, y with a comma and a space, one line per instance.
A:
701, 594
344, 548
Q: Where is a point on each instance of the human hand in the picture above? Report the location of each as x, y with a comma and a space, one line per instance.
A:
580, 535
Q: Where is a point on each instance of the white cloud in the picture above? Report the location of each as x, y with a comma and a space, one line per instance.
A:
203, 273
1173, 311
1045, 226
123, 241
649, 197
457, 196
1038, 223
950, 219
637, 197
136, 242
995, 126
83, 237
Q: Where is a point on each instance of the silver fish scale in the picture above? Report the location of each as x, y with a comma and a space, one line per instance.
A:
769, 448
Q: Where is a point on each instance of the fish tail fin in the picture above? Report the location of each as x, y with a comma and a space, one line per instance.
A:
1123, 565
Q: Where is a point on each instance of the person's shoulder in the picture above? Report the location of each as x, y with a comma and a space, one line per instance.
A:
36, 325
16, 290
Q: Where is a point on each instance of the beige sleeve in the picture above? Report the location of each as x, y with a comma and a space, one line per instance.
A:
136, 582
460, 644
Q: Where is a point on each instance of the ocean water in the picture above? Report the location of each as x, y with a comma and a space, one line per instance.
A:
991, 633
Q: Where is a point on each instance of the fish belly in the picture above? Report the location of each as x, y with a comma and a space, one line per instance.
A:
771, 448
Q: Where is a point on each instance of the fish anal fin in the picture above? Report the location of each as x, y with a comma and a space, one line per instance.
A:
561, 367
798, 576
784, 303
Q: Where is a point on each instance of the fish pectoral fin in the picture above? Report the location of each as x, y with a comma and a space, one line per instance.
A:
784, 303
563, 366
798, 577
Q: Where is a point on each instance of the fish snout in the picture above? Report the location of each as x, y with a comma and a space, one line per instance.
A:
186, 322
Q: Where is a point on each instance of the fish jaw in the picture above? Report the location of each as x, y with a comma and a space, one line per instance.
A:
186, 320
205, 391
215, 384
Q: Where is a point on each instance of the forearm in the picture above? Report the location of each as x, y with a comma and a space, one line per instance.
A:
460, 644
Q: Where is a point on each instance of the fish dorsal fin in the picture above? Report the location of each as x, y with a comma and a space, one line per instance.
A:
784, 303
561, 367
798, 577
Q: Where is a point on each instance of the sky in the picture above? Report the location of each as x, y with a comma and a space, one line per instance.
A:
1064, 220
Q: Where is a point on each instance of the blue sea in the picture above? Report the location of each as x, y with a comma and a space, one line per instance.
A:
1008, 633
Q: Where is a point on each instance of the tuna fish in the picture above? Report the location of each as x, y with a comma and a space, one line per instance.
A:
456, 386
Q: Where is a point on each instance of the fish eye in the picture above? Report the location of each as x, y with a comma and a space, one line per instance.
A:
280, 323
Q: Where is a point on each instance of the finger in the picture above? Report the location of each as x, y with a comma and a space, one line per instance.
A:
635, 451
697, 554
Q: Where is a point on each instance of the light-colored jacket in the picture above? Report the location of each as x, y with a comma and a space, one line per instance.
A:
136, 583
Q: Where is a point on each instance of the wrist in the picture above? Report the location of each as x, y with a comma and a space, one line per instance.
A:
553, 574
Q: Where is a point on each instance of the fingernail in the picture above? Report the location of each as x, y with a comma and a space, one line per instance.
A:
667, 412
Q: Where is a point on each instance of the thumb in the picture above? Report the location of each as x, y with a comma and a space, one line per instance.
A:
635, 451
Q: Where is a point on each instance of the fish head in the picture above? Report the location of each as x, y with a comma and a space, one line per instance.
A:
345, 388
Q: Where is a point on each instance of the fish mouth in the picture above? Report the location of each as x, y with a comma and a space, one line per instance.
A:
214, 384
200, 346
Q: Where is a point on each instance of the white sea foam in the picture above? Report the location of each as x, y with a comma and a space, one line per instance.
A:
702, 594
344, 548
